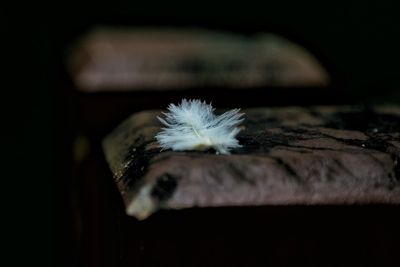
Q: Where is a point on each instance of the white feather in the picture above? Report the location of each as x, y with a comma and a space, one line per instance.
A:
192, 125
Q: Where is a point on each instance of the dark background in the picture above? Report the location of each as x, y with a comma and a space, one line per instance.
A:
357, 40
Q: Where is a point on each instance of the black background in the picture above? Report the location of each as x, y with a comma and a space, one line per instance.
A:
357, 40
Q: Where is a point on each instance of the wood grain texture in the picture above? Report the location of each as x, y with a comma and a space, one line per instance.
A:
290, 156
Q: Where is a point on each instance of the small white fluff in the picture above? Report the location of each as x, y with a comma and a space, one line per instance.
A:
192, 125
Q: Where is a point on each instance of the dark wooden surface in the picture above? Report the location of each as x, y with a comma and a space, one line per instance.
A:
134, 58
260, 236
100, 234
289, 155
97, 232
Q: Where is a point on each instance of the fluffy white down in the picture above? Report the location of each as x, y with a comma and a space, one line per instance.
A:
192, 125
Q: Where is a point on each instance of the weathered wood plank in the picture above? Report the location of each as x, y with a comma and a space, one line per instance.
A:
170, 59
290, 156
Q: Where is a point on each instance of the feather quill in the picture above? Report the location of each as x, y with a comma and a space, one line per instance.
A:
192, 125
